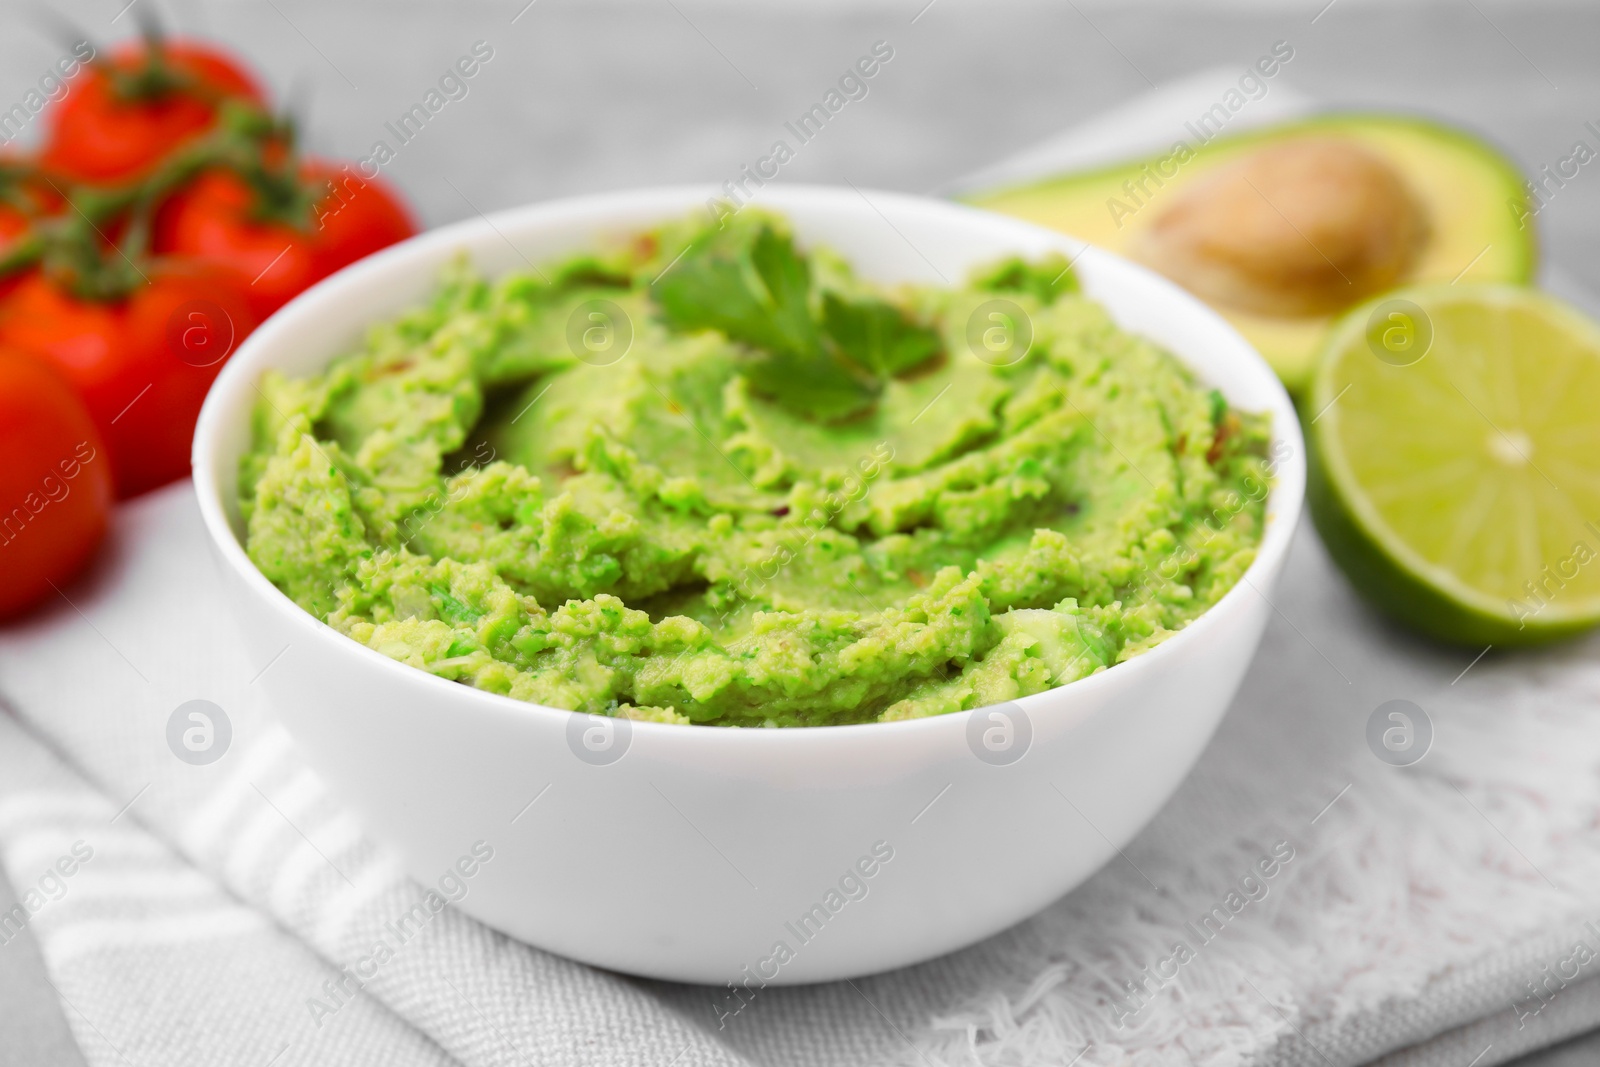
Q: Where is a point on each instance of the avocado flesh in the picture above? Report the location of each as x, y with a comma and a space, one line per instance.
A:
1473, 197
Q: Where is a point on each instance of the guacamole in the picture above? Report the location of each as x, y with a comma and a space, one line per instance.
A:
705, 475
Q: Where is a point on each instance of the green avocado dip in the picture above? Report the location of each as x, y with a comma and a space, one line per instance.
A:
706, 476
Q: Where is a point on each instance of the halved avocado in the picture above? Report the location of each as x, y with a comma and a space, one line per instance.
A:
1283, 228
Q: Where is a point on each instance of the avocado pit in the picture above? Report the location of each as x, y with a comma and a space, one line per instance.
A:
1304, 227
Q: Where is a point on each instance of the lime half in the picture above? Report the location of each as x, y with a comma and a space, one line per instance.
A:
1454, 436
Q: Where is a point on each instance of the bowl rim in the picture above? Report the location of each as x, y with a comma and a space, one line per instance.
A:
1283, 505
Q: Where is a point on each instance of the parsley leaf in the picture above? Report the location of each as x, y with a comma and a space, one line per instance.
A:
751, 284
877, 335
814, 387
824, 356
718, 284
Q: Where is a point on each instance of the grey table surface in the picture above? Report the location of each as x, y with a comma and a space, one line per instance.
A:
589, 97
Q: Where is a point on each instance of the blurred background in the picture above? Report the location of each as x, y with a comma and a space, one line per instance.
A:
584, 97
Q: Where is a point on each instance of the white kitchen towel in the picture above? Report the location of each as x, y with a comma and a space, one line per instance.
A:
153, 960
1437, 913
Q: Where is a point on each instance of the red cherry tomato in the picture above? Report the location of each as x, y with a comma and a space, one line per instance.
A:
141, 364
217, 218
13, 224
118, 119
55, 483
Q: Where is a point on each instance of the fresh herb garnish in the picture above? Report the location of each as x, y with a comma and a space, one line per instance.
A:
823, 358
877, 335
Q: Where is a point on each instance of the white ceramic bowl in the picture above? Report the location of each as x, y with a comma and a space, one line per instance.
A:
700, 849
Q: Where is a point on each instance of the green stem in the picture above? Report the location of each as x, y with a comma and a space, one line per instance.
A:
71, 245
21, 255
